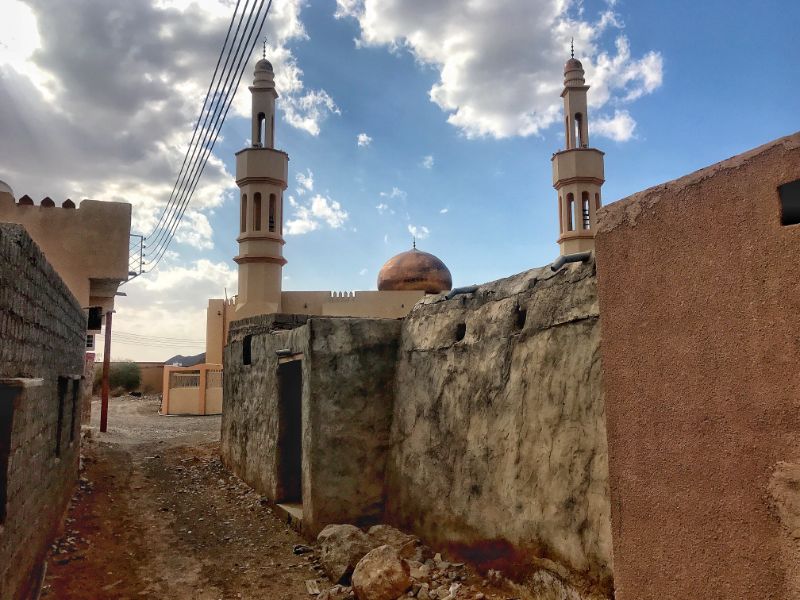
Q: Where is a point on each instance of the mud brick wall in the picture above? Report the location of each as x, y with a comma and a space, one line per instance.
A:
42, 340
699, 287
498, 438
347, 374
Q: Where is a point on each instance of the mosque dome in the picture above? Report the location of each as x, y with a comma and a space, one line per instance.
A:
264, 65
5, 188
415, 270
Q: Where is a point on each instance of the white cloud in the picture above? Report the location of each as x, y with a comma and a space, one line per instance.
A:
305, 182
170, 302
384, 208
427, 161
362, 272
319, 211
619, 128
500, 64
363, 140
395, 193
420, 232
444, 211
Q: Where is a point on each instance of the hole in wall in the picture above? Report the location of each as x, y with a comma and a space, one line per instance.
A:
461, 331
521, 315
247, 346
790, 202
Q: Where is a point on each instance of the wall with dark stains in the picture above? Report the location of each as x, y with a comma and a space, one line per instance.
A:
498, 438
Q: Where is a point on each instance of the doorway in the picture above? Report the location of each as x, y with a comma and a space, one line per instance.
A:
290, 432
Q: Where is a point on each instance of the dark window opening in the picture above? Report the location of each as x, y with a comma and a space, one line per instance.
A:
257, 212
243, 224
62, 397
570, 212
520, 317
790, 202
579, 141
596, 201
461, 331
272, 205
7, 395
76, 398
290, 431
247, 345
95, 321
560, 216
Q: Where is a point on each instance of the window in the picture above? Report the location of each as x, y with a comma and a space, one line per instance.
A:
570, 212
790, 202
95, 320
243, 226
7, 395
76, 399
272, 203
560, 216
579, 141
566, 131
62, 396
272, 132
596, 201
257, 212
247, 345
587, 221
262, 123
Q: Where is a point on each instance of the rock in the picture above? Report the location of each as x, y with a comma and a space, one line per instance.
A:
341, 547
408, 546
381, 575
299, 548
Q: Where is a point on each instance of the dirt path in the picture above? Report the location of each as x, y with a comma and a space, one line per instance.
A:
158, 516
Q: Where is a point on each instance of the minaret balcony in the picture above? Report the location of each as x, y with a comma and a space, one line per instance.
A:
262, 164
578, 164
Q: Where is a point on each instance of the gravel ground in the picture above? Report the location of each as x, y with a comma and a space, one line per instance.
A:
156, 515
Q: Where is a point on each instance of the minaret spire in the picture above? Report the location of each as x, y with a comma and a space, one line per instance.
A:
572, 48
578, 171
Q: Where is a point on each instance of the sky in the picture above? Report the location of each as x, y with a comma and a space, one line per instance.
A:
400, 118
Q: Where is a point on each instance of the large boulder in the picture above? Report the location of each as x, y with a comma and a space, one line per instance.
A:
341, 547
407, 546
381, 575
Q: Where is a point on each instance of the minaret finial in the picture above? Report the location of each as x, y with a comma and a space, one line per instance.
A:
572, 47
264, 52
414, 242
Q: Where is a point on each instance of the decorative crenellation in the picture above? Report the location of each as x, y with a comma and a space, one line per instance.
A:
46, 202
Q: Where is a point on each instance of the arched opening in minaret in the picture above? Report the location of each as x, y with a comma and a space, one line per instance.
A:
262, 124
243, 218
272, 132
570, 212
560, 216
566, 131
257, 211
579, 141
272, 205
596, 201
587, 221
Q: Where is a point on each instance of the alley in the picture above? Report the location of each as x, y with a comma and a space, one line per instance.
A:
156, 515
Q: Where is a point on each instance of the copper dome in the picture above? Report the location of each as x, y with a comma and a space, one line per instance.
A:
415, 270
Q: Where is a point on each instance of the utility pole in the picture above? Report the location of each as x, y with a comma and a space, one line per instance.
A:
106, 368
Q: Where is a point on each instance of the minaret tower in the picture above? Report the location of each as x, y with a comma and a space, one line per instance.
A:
578, 171
261, 174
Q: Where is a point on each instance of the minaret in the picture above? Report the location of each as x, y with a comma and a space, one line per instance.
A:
577, 171
261, 174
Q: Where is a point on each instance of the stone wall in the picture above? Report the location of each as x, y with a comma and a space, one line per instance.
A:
699, 287
42, 341
499, 440
347, 372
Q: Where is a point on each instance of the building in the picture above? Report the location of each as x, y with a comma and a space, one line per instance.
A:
262, 174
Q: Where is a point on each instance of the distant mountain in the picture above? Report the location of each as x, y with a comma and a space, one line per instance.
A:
186, 361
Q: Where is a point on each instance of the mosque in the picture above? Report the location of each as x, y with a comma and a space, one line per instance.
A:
262, 177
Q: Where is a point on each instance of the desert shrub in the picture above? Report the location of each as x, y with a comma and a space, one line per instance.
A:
124, 375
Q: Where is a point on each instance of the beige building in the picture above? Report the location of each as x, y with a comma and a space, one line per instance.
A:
578, 170
86, 244
262, 175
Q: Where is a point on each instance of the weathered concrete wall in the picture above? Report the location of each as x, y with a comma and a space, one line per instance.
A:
699, 288
42, 341
499, 440
347, 371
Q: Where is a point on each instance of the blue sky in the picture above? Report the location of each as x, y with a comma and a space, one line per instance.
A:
679, 85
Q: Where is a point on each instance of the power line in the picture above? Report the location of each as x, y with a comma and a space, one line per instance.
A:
194, 163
